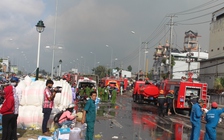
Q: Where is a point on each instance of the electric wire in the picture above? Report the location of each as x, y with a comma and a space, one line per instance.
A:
199, 6
194, 23
195, 17
202, 9
201, 67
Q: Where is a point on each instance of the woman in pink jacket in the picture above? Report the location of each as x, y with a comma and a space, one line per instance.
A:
68, 116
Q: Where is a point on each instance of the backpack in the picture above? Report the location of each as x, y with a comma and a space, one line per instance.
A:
57, 116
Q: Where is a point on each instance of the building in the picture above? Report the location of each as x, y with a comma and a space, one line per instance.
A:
213, 67
184, 61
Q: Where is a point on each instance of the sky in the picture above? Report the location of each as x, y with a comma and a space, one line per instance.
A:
98, 32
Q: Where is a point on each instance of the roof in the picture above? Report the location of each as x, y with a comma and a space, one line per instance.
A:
202, 55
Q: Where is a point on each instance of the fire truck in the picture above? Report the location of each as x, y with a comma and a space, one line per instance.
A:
183, 89
144, 91
111, 81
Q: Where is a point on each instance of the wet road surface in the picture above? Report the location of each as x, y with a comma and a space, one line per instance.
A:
127, 120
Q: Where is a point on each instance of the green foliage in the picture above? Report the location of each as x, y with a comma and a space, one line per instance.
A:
43, 72
150, 74
129, 68
117, 68
219, 83
101, 71
1, 63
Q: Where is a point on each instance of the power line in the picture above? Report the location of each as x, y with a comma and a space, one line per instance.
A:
195, 17
202, 67
194, 23
201, 9
200, 6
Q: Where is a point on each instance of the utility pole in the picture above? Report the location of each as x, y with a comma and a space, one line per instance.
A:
145, 66
171, 38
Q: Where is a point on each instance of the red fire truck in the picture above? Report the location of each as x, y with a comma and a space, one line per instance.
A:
110, 81
144, 92
183, 89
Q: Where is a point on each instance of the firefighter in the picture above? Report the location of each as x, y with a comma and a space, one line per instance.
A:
193, 99
101, 91
87, 91
212, 119
114, 95
106, 94
169, 99
161, 103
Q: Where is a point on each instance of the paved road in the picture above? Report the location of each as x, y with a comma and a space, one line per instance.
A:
131, 121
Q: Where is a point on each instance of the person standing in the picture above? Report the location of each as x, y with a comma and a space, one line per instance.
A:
195, 119
101, 91
114, 95
89, 115
7, 111
48, 104
14, 82
169, 99
212, 118
106, 94
161, 103
193, 99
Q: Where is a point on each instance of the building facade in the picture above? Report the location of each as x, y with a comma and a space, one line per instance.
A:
214, 67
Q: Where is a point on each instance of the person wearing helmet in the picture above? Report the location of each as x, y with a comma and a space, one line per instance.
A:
195, 119
169, 101
161, 101
212, 118
68, 116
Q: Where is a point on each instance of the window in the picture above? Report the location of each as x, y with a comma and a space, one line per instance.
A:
217, 48
211, 50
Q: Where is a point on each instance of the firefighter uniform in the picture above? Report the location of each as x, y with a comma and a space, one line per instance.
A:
195, 119
81, 92
193, 99
161, 102
169, 99
212, 119
114, 96
105, 95
87, 91
100, 93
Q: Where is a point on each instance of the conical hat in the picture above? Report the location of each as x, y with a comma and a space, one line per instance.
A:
79, 116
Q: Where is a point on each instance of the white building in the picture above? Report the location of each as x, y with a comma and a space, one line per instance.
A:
181, 67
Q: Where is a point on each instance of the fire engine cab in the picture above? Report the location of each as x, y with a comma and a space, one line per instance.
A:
183, 89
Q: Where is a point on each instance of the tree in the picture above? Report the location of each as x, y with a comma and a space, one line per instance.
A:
101, 71
1, 64
129, 68
43, 72
150, 74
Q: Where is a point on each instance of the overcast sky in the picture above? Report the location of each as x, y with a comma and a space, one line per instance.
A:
84, 26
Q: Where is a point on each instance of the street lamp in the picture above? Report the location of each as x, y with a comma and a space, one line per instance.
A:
139, 49
111, 58
40, 28
94, 60
52, 62
60, 62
